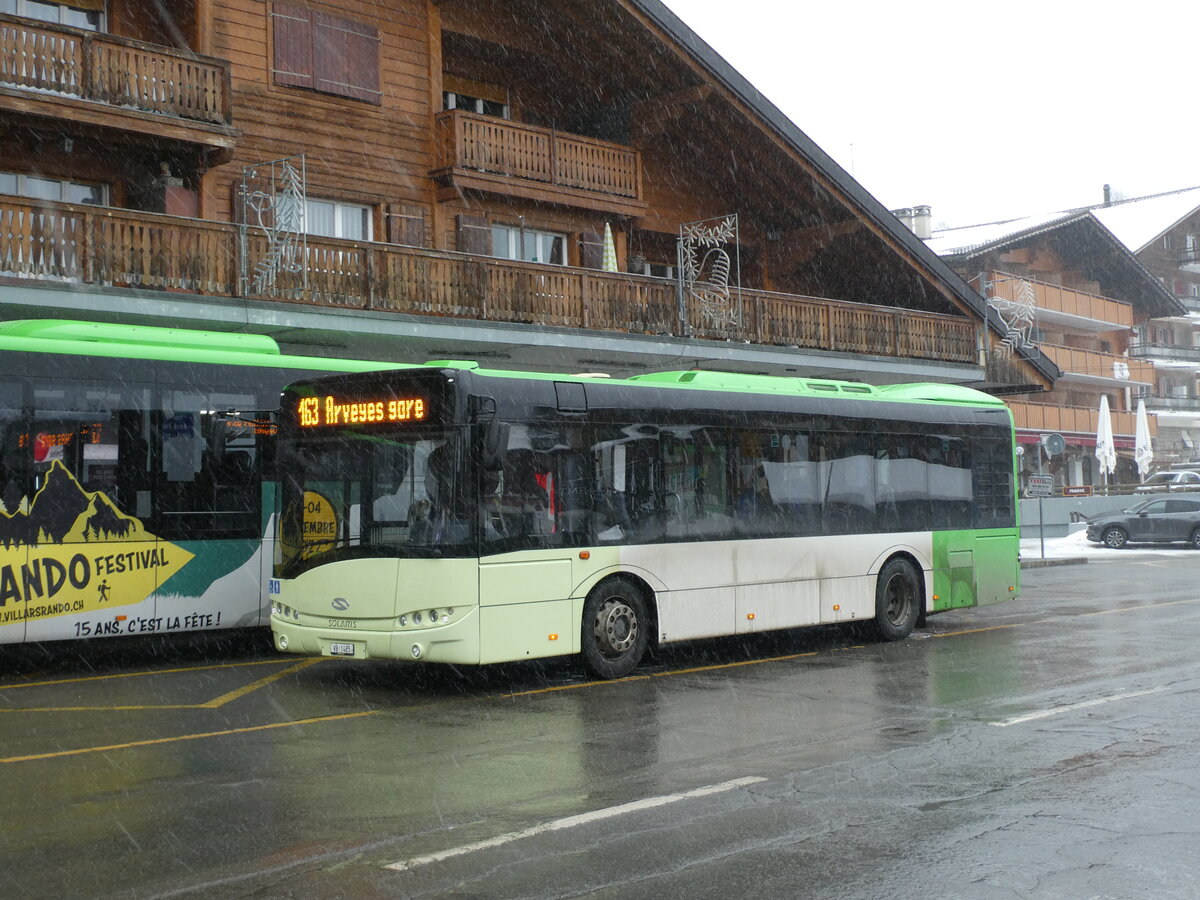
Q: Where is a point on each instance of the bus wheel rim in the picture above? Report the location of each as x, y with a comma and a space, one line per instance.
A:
616, 627
899, 600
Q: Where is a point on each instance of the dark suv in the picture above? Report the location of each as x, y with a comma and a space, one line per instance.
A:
1161, 520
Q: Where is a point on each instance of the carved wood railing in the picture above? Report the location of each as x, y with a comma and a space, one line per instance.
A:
501, 147
127, 248
1065, 300
113, 70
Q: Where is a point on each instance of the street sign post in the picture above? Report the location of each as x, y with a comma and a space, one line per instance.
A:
1040, 486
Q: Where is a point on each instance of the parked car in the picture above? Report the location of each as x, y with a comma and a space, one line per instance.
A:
1177, 480
1160, 520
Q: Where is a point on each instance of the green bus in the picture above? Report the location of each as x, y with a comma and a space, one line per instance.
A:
453, 514
136, 482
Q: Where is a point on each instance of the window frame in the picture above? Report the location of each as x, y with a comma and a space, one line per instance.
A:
339, 207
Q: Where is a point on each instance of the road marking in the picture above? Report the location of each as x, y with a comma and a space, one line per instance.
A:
1058, 710
187, 737
262, 682
215, 703
575, 821
258, 662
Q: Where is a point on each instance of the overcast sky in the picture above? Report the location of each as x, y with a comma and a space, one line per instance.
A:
983, 111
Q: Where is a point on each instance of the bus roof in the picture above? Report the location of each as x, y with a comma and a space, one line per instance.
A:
700, 379
148, 342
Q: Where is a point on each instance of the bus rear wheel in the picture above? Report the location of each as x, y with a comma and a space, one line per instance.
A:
614, 628
897, 600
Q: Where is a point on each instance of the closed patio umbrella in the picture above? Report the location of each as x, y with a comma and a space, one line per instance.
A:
608, 262
1143, 451
1106, 451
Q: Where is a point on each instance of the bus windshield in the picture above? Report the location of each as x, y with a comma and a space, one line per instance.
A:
349, 494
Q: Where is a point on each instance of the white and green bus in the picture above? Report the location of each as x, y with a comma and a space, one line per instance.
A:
136, 477
457, 515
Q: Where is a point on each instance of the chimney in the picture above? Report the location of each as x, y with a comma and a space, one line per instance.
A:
905, 215
1108, 195
922, 222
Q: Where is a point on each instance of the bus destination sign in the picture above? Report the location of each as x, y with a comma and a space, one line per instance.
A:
318, 412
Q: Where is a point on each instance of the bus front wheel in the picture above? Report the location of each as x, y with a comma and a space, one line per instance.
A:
614, 628
897, 600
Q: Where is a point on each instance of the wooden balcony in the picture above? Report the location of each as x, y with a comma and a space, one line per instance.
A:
126, 248
476, 152
1099, 368
1078, 420
1069, 305
104, 80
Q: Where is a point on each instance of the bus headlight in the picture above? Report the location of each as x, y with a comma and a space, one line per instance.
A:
283, 642
416, 618
403, 620
433, 617
416, 651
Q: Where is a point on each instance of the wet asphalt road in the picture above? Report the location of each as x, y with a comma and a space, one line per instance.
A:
1040, 748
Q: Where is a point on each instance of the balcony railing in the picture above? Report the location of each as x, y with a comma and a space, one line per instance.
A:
126, 248
1043, 417
1182, 404
500, 147
113, 70
1160, 351
1093, 364
1055, 298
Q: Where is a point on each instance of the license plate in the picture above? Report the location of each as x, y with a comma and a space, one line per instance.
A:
337, 648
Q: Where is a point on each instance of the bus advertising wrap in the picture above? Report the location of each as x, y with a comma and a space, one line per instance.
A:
71, 551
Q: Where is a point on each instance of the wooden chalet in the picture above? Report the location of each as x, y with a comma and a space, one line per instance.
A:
1089, 293
459, 163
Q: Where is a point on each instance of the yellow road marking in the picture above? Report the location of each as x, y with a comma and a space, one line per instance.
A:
260, 662
210, 704
262, 682
240, 692
187, 737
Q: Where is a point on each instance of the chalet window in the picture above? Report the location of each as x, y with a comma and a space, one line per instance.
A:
1168, 242
331, 218
37, 187
326, 53
455, 100
1194, 290
510, 242
86, 14
475, 96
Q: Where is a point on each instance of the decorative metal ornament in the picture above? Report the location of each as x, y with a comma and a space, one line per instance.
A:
273, 204
1019, 317
708, 274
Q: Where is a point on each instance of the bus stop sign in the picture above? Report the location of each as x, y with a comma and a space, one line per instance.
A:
1039, 486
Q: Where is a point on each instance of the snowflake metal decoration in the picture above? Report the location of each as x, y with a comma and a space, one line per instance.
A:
273, 203
707, 272
1019, 317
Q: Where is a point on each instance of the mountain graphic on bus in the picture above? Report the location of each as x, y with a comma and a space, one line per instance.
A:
63, 512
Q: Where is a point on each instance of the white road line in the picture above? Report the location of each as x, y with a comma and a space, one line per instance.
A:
573, 821
1047, 713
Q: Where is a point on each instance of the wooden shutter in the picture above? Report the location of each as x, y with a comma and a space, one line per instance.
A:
345, 57
474, 235
293, 44
591, 251
406, 224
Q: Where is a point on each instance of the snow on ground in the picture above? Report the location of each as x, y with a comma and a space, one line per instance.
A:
1076, 544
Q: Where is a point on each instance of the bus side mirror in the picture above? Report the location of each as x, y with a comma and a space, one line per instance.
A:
495, 444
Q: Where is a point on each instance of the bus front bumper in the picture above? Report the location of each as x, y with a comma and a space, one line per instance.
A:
455, 641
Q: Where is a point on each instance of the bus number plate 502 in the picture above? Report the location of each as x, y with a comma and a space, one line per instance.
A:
338, 648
